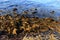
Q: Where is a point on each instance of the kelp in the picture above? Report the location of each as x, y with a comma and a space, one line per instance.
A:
16, 24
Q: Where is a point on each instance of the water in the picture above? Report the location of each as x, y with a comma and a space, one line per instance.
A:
44, 7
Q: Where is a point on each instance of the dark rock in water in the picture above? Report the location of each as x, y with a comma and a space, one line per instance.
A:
15, 9
34, 12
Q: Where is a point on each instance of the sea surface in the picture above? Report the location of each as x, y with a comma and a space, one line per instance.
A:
44, 7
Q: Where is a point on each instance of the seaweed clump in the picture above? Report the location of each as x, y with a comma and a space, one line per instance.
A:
17, 24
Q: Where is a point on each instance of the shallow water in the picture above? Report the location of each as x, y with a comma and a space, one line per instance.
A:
44, 7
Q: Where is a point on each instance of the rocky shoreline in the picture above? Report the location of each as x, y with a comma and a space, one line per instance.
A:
20, 26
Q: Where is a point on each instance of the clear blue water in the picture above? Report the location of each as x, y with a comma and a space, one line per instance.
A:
45, 5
